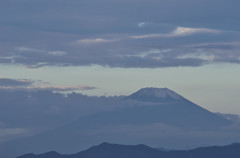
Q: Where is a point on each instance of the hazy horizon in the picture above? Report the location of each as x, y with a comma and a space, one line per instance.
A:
111, 48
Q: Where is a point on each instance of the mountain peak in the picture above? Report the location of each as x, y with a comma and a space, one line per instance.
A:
155, 94
159, 92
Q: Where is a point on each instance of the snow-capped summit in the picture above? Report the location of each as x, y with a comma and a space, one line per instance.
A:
159, 92
155, 94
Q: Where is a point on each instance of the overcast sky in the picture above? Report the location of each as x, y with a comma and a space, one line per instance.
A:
115, 47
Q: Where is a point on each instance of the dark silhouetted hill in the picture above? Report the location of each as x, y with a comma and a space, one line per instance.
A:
107, 150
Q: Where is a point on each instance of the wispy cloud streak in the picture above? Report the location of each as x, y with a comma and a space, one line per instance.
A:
94, 41
178, 32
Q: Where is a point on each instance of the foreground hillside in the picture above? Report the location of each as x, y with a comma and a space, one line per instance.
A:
107, 150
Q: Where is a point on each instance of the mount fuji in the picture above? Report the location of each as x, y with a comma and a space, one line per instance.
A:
156, 95
151, 116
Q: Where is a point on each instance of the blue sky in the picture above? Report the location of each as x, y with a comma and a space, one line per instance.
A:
115, 47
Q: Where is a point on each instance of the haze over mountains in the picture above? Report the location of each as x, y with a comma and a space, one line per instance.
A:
158, 117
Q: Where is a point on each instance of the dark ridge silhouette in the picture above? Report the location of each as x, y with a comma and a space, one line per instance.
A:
106, 150
51, 154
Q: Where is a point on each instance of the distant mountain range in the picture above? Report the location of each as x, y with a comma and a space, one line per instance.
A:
152, 116
107, 150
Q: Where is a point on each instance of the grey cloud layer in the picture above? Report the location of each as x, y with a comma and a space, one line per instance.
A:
12, 83
23, 84
116, 33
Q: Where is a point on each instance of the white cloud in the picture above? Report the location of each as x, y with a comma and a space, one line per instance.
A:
94, 41
62, 88
185, 31
12, 131
148, 36
9, 57
57, 53
141, 24
208, 57
27, 49
178, 32
153, 52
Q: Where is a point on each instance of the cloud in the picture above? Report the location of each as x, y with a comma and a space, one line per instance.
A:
152, 52
27, 49
18, 84
94, 41
128, 52
143, 24
5, 82
7, 134
206, 57
12, 131
63, 88
85, 35
57, 53
178, 32
184, 31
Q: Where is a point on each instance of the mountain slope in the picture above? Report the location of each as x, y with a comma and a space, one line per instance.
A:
174, 122
107, 150
171, 108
